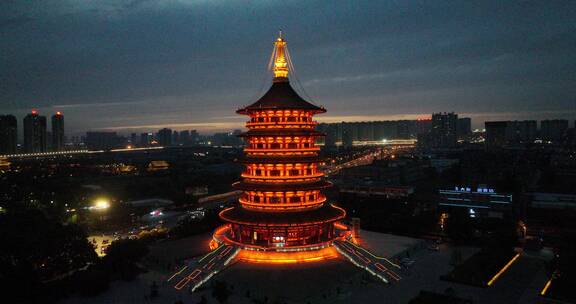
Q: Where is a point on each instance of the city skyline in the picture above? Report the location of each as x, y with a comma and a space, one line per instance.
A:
227, 127
390, 151
151, 68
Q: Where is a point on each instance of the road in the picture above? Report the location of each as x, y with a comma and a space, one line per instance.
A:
364, 159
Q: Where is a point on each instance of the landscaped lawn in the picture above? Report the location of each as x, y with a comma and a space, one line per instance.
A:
426, 297
481, 267
563, 289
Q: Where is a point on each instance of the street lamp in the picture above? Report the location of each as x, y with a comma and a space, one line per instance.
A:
101, 204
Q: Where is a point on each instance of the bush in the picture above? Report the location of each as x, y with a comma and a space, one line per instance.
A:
122, 257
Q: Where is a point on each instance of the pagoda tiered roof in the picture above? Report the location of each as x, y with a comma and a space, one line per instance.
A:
283, 132
252, 159
243, 185
326, 213
281, 96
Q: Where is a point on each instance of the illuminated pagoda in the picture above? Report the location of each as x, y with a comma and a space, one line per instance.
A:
282, 207
282, 215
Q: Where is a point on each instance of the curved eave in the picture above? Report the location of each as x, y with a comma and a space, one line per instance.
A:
281, 160
248, 111
281, 132
281, 96
324, 214
281, 186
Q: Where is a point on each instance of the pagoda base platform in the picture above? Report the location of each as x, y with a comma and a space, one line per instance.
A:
221, 237
275, 257
226, 252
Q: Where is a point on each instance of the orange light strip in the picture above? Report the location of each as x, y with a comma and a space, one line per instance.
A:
280, 124
283, 154
282, 206
545, 289
497, 275
288, 177
341, 226
283, 150
271, 257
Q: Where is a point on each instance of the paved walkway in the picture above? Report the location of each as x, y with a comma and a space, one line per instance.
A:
380, 267
197, 272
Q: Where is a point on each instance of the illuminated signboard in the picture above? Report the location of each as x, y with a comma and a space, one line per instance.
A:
478, 190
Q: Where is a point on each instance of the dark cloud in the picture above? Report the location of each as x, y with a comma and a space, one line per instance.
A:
170, 61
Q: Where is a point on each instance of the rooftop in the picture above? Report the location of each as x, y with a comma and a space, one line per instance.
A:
281, 96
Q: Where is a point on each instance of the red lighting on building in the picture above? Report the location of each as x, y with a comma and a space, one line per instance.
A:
282, 208
34, 112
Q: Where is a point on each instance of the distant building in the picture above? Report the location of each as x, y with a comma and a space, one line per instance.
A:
194, 137
391, 172
521, 131
347, 135
34, 133
443, 164
331, 132
495, 133
164, 137
8, 134
444, 128
157, 165
134, 139
175, 137
375, 190
227, 139
503, 133
477, 202
146, 139
58, 132
423, 126
184, 136
560, 201
464, 127
102, 140
553, 130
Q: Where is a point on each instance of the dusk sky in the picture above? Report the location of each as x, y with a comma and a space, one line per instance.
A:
138, 65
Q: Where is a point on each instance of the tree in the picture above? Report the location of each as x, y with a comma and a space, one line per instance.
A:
459, 227
221, 291
122, 257
35, 249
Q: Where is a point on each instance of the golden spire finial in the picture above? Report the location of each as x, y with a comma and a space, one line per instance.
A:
280, 62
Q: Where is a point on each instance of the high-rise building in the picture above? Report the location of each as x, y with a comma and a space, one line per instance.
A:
495, 133
185, 137
58, 132
134, 139
331, 135
347, 135
464, 127
423, 126
146, 139
553, 130
194, 137
444, 128
164, 137
34, 133
102, 140
521, 132
8, 134
175, 137
282, 209
505, 133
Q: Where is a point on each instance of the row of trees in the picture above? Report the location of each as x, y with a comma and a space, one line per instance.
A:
41, 259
